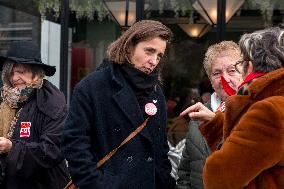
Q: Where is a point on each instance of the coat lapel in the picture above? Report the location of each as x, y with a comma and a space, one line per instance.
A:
127, 102
235, 106
257, 90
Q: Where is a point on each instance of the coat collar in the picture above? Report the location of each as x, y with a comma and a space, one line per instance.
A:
268, 85
273, 81
126, 100
50, 100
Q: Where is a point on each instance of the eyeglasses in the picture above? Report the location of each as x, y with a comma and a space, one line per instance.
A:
230, 70
239, 65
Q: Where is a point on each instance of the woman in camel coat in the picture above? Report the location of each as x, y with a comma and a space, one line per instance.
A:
251, 155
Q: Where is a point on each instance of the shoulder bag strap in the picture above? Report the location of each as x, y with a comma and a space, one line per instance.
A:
127, 139
71, 185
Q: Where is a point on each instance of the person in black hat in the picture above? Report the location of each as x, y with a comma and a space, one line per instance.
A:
32, 114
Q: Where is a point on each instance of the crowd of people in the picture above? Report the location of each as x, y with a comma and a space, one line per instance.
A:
113, 135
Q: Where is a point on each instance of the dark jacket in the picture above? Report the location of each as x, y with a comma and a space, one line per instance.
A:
195, 152
36, 162
103, 112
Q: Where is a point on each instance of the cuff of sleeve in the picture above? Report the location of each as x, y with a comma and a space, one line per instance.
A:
213, 130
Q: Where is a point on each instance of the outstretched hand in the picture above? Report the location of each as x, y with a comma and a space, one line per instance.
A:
198, 112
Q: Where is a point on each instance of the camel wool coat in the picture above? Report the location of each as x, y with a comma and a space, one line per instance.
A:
252, 154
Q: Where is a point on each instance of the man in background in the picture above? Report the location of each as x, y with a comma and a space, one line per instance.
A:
219, 64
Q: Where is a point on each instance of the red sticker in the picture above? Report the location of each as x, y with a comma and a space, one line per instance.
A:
25, 129
150, 109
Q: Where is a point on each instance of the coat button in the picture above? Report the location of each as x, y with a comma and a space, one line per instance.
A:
149, 159
129, 159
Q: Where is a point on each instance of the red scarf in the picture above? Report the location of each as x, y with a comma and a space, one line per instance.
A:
227, 88
250, 77
230, 91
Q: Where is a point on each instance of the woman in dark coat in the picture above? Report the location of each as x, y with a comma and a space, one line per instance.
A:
32, 114
109, 104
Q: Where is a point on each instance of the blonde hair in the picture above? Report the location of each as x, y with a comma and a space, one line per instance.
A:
223, 48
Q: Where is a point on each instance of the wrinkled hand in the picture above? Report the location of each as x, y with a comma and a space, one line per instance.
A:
198, 112
5, 145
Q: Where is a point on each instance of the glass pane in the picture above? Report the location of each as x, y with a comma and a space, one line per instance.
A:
118, 9
17, 23
254, 15
90, 39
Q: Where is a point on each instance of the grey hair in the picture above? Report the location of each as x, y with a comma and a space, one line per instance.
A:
6, 71
8, 67
264, 49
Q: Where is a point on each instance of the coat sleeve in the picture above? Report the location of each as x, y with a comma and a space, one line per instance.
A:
212, 131
166, 167
193, 157
166, 164
76, 143
254, 145
28, 159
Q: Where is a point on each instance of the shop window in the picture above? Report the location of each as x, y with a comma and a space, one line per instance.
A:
16, 25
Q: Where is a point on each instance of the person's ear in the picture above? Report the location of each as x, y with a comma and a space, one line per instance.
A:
248, 69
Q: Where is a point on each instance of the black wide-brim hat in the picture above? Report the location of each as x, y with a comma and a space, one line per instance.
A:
26, 52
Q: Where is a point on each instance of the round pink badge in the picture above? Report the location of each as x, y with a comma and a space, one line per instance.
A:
150, 109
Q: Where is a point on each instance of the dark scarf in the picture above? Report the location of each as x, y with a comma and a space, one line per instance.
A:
141, 83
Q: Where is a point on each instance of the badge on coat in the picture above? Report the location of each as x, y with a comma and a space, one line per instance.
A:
150, 109
25, 129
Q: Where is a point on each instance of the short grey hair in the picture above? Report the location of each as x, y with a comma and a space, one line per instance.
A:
8, 67
264, 48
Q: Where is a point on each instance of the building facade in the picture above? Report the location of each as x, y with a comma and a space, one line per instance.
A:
74, 35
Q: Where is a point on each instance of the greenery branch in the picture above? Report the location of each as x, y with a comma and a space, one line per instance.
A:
89, 8
83, 8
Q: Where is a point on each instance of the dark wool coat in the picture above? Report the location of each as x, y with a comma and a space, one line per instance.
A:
103, 112
252, 155
36, 162
195, 152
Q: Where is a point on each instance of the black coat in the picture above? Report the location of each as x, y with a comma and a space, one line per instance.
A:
193, 158
36, 162
103, 112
